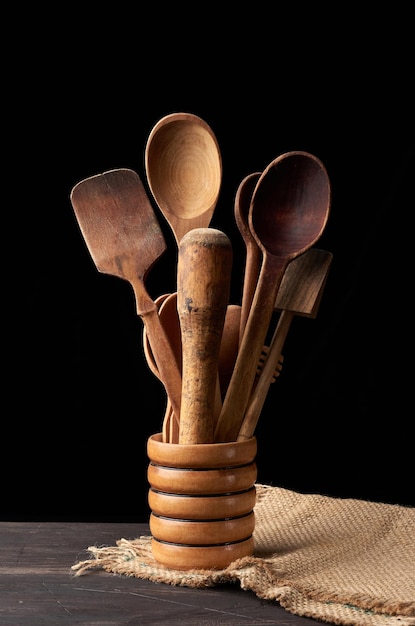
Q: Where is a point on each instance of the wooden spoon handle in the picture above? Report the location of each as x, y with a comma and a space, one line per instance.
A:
203, 289
165, 359
252, 270
243, 376
253, 257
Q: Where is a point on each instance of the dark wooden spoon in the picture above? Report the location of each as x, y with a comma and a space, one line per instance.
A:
289, 210
125, 239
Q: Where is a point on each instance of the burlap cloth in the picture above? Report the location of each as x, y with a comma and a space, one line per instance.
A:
342, 561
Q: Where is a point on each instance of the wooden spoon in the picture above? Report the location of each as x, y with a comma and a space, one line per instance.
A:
299, 294
184, 171
125, 239
289, 210
253, 251
203, 288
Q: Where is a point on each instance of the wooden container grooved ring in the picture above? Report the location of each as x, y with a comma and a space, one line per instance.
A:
202, 500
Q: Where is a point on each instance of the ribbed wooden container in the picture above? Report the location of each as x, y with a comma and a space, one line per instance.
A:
202, 500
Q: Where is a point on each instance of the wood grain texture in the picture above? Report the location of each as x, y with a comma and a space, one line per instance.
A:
203, 288
37, 587
125, 239
184, 171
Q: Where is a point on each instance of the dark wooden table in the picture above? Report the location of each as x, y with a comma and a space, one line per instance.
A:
37, 587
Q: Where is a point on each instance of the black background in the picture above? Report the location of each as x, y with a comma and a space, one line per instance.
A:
80, 400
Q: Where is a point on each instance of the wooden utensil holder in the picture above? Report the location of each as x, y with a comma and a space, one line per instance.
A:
202, 500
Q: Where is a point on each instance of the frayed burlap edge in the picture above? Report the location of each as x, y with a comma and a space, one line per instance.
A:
313, 555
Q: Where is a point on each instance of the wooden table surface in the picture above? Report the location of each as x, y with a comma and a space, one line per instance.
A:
37, 586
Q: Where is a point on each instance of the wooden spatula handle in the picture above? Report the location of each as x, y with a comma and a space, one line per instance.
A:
300, 293
203, 288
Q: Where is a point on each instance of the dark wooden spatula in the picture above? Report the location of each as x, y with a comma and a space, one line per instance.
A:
125, 239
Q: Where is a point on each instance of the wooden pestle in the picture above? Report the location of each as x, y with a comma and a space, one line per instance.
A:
203, 290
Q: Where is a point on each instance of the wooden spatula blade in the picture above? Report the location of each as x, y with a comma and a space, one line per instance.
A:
311, 268
118, 223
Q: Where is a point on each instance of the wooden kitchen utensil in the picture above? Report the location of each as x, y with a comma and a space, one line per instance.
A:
124, 239
203, 288
253, 256
184, 171
300, 294
183, 166
167, 309
289, 210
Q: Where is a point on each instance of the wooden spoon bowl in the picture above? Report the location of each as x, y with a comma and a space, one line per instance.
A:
184, 171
